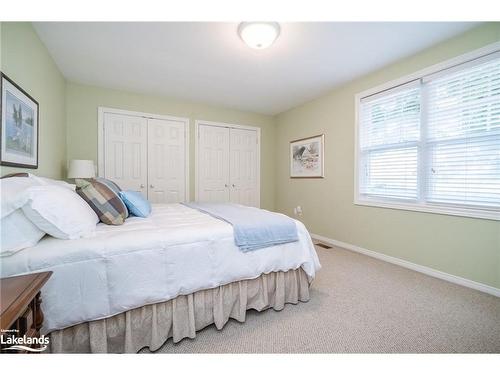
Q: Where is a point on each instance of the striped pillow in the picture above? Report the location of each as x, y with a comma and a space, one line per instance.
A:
101, 196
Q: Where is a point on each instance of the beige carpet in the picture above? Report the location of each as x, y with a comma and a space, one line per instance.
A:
362, 305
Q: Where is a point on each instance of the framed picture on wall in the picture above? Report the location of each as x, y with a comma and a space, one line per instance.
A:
19, 126
307, 157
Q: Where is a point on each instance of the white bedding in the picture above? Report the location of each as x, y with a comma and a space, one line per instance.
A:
177, 250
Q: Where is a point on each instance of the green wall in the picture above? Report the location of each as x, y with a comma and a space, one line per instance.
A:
81, 117
27, 62
460, 246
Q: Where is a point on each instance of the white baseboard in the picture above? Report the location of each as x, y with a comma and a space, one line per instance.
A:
412, 266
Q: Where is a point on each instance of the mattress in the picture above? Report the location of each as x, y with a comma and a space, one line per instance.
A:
175, 251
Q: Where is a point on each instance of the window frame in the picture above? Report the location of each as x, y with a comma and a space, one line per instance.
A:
419, 205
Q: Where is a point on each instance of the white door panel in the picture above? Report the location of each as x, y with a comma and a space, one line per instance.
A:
125, 149
243, 167
166, 161
213, 166
228, 165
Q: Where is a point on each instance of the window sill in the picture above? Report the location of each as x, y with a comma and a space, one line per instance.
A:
431, 208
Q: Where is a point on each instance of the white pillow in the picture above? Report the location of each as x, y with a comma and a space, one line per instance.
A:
58, 211
50, 181
18, 233
10, 188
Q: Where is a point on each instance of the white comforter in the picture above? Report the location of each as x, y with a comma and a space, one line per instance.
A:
177, 250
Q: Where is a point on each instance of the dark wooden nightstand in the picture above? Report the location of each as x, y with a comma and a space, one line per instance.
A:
20, 313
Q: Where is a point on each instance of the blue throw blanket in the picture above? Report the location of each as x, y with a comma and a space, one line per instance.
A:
253, 228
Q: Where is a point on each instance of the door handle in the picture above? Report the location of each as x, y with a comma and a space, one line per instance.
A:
142, 186
151, 186
234, 185
225, 185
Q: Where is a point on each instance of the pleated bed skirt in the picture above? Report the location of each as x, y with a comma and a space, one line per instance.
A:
152, 325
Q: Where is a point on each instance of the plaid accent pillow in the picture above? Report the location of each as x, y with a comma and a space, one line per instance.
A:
114, 187
103, 200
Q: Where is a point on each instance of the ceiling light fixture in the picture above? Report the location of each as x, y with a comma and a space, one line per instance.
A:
259, 35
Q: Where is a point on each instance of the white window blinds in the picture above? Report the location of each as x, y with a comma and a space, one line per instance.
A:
434, 142
463, 143
390, 130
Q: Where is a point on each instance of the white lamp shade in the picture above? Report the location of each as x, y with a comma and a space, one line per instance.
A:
81, 169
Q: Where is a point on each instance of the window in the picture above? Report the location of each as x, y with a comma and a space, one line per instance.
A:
433, 143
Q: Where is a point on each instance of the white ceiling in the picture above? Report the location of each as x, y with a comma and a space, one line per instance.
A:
207, 62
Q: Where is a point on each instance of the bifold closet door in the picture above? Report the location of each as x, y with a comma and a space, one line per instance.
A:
243, 167
228, 165
166, 161
125, 151
213, 164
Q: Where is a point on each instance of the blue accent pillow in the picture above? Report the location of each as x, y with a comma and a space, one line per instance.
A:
136, 203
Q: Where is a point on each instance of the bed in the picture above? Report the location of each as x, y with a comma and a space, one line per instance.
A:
165, 276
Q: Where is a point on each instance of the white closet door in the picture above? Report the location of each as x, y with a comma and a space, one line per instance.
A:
166, 161
125, 149
243, 167
213, 164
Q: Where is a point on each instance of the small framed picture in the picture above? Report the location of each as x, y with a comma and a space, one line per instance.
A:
19, 126
307, 157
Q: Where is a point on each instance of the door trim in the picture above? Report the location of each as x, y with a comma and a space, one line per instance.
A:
101, 111
197, 124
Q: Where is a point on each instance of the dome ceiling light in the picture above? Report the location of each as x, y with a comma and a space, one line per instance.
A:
259, 35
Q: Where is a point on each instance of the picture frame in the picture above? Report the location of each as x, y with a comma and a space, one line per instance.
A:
307, 157
19, 126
